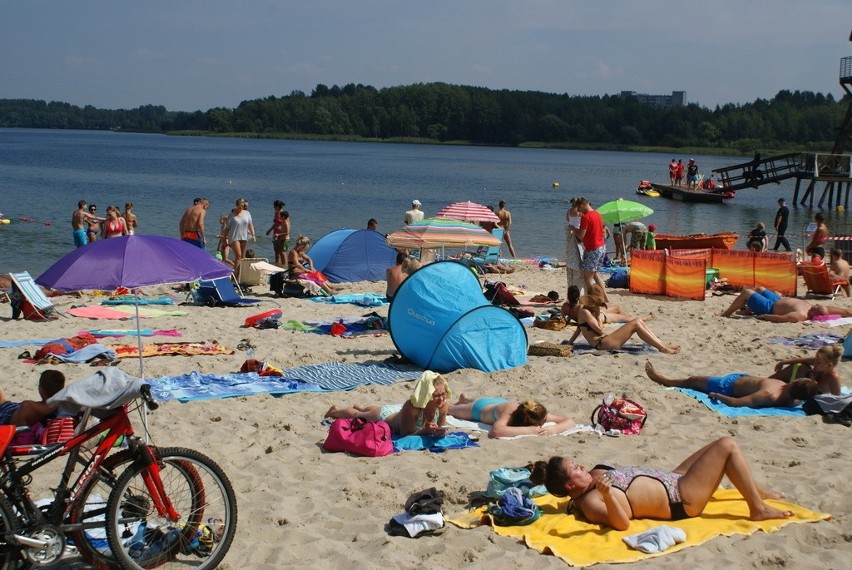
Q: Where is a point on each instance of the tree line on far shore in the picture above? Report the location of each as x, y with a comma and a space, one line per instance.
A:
438, 112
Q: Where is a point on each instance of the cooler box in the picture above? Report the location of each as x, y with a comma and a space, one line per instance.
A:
710, 274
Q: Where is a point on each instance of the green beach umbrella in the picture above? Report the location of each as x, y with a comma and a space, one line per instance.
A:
623, 211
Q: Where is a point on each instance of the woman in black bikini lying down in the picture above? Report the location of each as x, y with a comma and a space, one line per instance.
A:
613, 496
590, 325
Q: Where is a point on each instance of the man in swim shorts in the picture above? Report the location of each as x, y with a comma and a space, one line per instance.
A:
740, 389
191, 226
591, 233
79, 219
770, 306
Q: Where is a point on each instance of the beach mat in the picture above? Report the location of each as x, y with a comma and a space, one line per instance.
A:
637, 349
326, 377
734, 412
360, 299
580, 543
171, 349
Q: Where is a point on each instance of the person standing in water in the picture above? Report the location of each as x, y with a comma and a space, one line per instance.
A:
505, 222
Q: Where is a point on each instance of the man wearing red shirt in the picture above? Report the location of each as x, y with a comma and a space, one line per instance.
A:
591, 233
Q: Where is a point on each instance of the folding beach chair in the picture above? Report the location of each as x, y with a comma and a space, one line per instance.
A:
222, 293
29, 300
492, 254
818, 282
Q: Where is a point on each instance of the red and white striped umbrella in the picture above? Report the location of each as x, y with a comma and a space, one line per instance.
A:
468, 211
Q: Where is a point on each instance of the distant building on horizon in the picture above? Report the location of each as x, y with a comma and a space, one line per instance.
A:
676, 99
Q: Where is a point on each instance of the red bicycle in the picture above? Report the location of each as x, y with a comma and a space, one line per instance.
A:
142, 507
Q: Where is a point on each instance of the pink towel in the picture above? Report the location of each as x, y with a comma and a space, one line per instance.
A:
98, 312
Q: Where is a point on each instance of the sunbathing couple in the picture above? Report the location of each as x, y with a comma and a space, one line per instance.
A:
771, 306
591, 314
794, 380
613, 496
425, 412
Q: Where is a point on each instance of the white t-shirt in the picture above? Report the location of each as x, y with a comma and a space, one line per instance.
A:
238, 226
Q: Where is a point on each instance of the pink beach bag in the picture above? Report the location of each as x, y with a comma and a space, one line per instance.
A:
359, 437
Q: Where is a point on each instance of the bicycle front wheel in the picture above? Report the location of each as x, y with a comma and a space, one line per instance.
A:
9, 552
199, 491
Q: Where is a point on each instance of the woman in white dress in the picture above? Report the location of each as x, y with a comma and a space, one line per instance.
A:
573, 248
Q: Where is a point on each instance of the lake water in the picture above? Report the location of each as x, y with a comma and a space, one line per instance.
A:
332, 185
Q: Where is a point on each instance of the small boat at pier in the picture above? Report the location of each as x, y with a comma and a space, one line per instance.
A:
724, 240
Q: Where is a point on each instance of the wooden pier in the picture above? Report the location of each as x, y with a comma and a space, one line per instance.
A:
834, 169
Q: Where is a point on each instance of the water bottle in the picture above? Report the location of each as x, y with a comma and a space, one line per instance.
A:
250, 352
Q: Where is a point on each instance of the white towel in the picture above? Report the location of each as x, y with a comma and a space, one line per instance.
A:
657, 539
419, 523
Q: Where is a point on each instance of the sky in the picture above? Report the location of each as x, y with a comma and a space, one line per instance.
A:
190, 55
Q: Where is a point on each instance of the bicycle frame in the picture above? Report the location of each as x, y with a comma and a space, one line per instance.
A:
15, 478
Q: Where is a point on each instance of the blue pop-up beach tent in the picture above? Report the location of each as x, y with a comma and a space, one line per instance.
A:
345, 256
440, 320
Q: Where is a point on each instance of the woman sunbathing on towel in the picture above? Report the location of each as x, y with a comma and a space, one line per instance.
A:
822, 368
507, 418
423, 414
590, 325
609, 314
615, 495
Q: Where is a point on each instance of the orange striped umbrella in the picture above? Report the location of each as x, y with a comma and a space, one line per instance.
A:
440, 232
468, 211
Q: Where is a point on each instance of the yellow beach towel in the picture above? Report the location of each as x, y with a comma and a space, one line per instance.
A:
582, 544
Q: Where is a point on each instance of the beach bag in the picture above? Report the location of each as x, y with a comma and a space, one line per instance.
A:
359, 437
554, 323
847, 346
619, 279
620, 414
502, 479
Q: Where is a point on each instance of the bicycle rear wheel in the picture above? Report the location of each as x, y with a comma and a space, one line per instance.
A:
90, 507
202, 495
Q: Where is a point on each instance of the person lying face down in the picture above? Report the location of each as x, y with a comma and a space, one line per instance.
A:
614, 496
424, 413
771, 306
509, 419
742, 390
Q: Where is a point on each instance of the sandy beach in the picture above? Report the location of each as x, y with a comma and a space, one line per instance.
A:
300, 507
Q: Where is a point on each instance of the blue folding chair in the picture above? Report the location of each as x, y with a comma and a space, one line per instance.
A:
221, 293
492, 254
28, 299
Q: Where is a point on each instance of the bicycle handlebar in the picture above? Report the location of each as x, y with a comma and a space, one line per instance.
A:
145, 393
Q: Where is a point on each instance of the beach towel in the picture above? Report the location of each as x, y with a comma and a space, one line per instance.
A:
101, 333
131, 300
361, 299
433, 443
734, 412
627, 349
17, 343
98, 312
327, 377
171, 349
813, 340
580, 543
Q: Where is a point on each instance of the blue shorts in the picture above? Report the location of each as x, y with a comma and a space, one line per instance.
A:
723, 384
593, 259
761, 303
7, 410
80, 238
480, 404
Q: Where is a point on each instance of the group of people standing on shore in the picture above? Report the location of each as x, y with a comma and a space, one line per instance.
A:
88, 227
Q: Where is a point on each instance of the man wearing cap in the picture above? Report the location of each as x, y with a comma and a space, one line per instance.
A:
414, 214
781, 225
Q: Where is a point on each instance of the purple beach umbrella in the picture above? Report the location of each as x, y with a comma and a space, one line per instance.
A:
131, 262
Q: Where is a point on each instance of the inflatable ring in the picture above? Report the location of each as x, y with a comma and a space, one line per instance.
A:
255, 320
